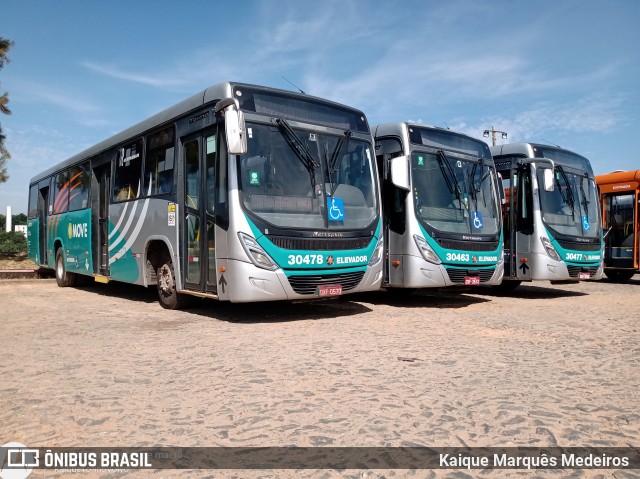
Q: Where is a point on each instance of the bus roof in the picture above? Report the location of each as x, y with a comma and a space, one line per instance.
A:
619, 181
210, 94
434, 136
559, 155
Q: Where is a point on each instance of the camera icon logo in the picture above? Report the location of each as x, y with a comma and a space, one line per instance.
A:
17, 460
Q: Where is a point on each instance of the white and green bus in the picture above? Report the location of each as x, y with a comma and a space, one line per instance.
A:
441, 206
552, 225
240, 193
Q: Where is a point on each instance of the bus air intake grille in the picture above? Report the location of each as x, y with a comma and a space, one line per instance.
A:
457, 275
469, 245
308, 284
574, 271
579, 246
319, 244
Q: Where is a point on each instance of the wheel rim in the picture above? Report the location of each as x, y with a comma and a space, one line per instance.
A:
59, 267
165, 280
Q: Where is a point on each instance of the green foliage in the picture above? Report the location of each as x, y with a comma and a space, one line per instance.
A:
19, 219
5, 45
12, 243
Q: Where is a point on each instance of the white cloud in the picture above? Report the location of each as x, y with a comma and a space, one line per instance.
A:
552, 120
162, 80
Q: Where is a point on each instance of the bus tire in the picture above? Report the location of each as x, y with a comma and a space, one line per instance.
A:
63, 277
168, 296
619, 276
509, 285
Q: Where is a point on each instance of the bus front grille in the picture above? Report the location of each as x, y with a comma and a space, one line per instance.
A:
319, 244
574, 245
469, 245
308, 284
457, 275
574, 271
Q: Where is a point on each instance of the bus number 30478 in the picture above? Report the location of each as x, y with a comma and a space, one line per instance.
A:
300, 259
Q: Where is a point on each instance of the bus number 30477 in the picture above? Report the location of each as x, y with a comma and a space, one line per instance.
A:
300, 259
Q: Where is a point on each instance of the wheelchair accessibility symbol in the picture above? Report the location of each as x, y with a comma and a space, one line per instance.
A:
335, 207
585, 223
476, 218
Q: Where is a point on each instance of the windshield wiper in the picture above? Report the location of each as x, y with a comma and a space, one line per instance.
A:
333, 163
483, 176
585, 201
449, 175
569, 199
300, 149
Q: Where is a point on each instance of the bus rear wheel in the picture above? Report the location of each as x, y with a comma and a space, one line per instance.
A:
63, 277
167, 294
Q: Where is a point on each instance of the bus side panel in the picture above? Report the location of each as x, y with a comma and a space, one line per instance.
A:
130, 225
54, 235
78, 252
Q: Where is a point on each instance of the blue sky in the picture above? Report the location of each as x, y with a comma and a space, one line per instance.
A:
562, 71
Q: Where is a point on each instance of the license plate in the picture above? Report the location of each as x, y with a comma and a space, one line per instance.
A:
584, 275
471, 280
329, 290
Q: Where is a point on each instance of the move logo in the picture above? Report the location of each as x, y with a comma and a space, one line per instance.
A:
78, 230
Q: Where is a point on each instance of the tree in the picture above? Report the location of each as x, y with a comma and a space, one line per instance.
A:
5, 45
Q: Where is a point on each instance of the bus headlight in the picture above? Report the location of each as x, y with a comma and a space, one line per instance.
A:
376, 257
256, 253
427, 253
551, 251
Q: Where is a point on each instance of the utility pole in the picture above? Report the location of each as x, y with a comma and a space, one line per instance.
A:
493, 132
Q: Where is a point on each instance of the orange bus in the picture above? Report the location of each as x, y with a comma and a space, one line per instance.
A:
619, 197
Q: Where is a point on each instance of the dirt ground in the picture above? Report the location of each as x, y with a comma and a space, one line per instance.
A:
105, 365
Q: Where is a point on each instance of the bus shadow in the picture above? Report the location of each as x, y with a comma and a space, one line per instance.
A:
527, 292
277, 311
451, 298
126, 291
634, 281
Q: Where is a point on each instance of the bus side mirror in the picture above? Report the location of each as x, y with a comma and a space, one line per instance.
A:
234, 126
548, 179
400, 172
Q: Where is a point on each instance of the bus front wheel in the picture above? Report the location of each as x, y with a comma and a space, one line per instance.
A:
63, 277
167, 294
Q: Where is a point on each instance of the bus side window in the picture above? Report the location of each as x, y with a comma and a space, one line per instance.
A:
525, 201
79, 183
192, 168
60, 193
126, 185
211, 173
222, 202
159, 160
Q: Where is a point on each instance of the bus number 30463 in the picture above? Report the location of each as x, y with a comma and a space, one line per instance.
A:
457, 257
305, 259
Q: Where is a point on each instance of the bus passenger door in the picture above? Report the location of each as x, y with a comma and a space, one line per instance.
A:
43, 217
524, 223
619, 243
198, 251
101, 244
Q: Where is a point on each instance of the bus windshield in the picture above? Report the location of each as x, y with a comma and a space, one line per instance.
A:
572, 207
295, 178
454, 193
